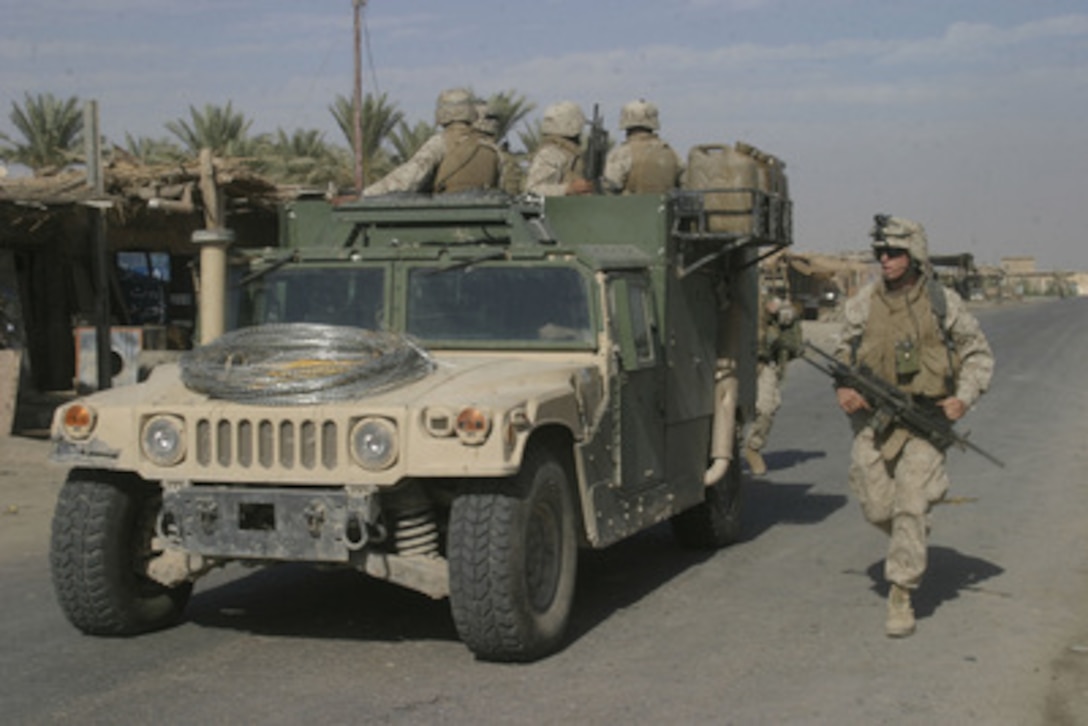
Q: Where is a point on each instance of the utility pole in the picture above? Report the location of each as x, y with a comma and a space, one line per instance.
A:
99, 205
357, 99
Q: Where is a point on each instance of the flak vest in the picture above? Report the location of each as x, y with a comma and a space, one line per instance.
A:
469, 163
905, 344
654, 166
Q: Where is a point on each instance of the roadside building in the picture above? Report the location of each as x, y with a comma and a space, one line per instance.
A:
49, 296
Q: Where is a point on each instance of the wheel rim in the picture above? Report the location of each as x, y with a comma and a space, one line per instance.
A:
543, 555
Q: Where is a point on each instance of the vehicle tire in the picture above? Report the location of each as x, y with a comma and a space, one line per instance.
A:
716, 521
513, 556
102, 529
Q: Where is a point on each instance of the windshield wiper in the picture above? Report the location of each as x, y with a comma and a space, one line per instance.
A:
292, 256
462, 264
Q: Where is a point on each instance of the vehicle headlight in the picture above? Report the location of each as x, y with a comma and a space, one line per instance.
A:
163, 440
374, 443
79, 421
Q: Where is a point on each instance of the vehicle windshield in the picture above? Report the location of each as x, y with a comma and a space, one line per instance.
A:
307, 294
482, 304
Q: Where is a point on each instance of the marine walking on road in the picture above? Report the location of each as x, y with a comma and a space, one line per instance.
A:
780, 341
916, 335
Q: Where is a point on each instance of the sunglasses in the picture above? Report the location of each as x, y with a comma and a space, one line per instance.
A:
890, 252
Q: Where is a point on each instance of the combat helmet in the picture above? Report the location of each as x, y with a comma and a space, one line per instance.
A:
639, 114
454, 104
563, 119
890, 232
487, 120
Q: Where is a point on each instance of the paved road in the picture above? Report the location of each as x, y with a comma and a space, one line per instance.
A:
786, 627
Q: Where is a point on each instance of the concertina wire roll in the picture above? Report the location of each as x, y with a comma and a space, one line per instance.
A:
302, 363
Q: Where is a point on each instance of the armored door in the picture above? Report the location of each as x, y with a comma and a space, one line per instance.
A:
640, 418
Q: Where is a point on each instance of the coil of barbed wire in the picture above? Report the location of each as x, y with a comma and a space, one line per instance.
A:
300, 363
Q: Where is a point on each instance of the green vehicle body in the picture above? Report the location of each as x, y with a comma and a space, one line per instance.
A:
592, 362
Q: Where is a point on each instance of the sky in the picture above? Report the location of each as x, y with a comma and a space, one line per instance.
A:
969, 116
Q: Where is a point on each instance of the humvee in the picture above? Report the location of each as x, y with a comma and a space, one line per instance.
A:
512, 379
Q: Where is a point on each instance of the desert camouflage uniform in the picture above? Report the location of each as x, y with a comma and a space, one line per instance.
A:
768, 401
424, 173
780, 340
642, 164
414, 175
511, 174
899, 476
555, 164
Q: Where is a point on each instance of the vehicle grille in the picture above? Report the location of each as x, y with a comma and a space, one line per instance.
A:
305, 444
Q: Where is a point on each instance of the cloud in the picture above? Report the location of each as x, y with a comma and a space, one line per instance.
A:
969, 42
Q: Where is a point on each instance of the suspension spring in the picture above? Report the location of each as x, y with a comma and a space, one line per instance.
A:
416, 533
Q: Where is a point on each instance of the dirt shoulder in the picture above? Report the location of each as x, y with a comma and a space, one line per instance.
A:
28, 490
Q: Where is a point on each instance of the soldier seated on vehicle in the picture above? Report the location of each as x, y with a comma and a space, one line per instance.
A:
643, 163
456, 159
488, 126
557, 169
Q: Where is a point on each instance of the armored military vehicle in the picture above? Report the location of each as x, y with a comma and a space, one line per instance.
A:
452, 393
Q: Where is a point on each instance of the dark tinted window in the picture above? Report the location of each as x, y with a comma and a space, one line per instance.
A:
330, 295
499, 303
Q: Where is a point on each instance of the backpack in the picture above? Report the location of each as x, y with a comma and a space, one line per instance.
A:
939, 303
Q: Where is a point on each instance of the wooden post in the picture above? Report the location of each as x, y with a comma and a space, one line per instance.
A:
10, 364
100, 244
213, 241
214, 205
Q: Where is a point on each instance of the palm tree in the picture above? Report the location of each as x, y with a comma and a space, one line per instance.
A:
530, 137
52, 132
147, 150
379, 118
304, 157
217, 128
307, 143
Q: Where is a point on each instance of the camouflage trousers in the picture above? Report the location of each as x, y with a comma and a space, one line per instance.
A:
896, 496
768, 400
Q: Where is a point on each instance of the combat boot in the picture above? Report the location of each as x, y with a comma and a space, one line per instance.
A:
900, 614
755, 461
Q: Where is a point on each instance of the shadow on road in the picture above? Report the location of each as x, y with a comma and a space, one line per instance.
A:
947, 575
777, 460
298, 600
619, 576
306, 601
294, 600
768, 504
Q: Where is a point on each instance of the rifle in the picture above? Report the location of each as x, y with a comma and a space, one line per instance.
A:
596, 151
891, 406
